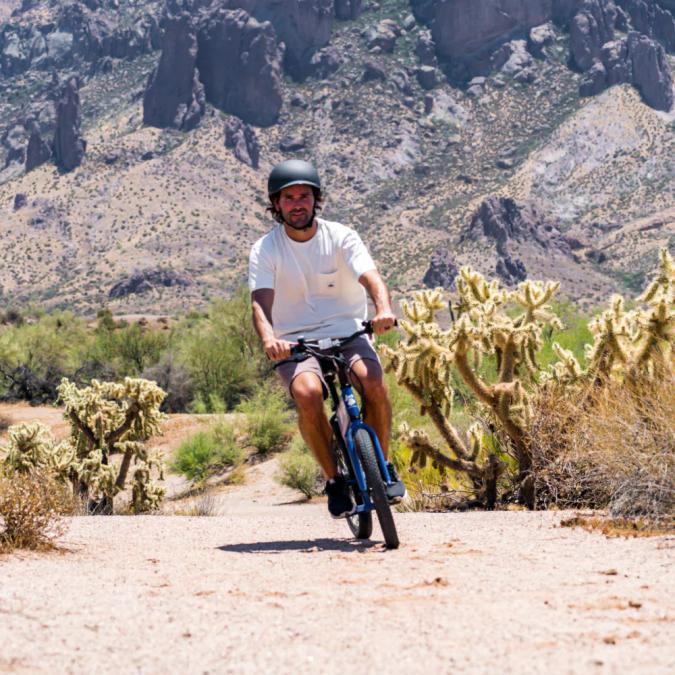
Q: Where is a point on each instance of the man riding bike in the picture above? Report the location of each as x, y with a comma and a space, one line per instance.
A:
308, 277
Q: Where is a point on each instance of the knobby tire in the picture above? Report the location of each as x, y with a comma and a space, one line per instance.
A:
366, 450
360, 524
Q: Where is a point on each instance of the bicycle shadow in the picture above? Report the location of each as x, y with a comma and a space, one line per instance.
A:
303, 546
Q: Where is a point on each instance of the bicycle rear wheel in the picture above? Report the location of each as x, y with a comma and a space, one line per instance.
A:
366, 450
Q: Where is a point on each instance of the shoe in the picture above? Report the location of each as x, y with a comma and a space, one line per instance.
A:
396, 489
340, 503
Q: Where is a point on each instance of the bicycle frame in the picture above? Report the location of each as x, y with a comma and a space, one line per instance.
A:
345, 438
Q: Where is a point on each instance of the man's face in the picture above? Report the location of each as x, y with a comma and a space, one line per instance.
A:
296, 204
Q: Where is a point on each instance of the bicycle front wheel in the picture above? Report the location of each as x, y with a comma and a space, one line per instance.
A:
366, 450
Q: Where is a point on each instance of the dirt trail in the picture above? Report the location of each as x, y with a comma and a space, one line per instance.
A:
273, 586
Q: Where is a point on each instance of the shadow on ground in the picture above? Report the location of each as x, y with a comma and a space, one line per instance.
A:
302, 545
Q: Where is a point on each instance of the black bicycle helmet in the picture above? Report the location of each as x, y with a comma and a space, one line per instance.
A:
292, 172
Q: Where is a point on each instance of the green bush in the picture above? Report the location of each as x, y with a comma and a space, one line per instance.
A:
209, 452
267, 418
221, 353
298, 469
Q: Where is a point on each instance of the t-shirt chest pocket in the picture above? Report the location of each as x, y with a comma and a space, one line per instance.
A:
326, 285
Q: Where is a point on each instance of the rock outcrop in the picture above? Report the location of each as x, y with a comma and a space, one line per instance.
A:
239, 63
651, 19
174, 96
242, 140
304, 26
636, 60
69, 146
149, 280
38, 151
590, 29
466, 30
442, 270
503, 220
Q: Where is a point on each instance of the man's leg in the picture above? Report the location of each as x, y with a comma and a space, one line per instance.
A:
307, 392
367, 376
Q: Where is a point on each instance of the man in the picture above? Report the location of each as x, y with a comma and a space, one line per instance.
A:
308, 277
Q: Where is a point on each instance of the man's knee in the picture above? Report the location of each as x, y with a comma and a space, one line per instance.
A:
370, 379
307, 392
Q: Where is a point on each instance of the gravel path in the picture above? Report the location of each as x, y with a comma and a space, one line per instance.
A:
268, 586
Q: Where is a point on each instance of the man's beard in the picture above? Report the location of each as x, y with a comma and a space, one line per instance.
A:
305, 226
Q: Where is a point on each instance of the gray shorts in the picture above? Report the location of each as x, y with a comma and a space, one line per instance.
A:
359, 349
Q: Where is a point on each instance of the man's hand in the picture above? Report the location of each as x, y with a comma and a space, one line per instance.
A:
383, 321
277, 350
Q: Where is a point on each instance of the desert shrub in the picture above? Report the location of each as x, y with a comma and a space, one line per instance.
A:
267, 422
35, 355
222, 353
31, 507
172, 377
209, 452
614, 450
299, 470
128, 349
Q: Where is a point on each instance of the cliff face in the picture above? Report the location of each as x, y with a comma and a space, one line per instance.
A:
490, 133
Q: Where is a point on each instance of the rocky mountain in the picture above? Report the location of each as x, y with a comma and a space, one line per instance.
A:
526, 137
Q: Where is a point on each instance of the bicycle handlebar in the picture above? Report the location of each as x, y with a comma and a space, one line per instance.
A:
311, 348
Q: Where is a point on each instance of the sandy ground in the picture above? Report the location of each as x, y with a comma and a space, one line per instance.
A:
273, 585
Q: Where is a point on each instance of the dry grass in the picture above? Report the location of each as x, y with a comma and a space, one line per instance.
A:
614, 450
621, 527
31, 509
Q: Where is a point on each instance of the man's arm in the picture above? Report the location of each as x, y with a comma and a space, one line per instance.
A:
261, 304
384, 318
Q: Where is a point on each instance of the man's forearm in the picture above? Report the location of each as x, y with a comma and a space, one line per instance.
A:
377, 290
261, 314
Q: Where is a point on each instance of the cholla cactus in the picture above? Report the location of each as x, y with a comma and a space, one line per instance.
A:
32, 446
426, 361
108, 418
629, 345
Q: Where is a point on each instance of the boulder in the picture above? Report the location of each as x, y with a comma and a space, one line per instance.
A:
401, 81
326, 62
594, 80
174, 96
512, 57
425, 49
427, 77
382, 36
292, 143
539, 38
242, 139
20, 200
69, 146
373, 71
239, 63
442, 270
14, 142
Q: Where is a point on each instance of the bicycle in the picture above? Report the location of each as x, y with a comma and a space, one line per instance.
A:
359, 455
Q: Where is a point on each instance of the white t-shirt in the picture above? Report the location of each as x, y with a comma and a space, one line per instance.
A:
317, 293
